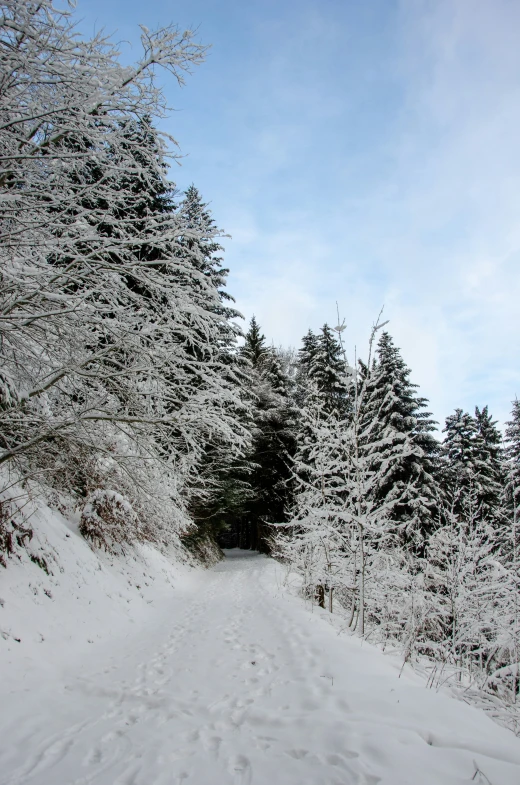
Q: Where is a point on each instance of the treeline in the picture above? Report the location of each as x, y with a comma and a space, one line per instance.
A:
413, 539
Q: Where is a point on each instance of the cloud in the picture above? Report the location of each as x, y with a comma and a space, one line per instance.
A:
459, 170
372, 158
365, 153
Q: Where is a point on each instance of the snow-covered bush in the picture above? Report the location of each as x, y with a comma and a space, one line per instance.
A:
108, 520
8, 392
13, 535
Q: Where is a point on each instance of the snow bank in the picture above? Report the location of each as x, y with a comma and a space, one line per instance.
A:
61, 601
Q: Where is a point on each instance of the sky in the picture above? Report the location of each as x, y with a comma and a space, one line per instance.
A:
361, 155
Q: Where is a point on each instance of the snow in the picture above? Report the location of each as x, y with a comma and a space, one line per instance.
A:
85, 600
213, 677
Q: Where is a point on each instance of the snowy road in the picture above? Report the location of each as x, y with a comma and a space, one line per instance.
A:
238, 683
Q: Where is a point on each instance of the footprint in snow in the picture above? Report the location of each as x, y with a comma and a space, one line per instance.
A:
212, 745
93, 757
297, 754
240, 767
339, 760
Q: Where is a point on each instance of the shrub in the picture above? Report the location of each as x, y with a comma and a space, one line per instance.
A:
108, 520
12, 534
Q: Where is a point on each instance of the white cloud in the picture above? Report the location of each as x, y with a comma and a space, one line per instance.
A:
375, 165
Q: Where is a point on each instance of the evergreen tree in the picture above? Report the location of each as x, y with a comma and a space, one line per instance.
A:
459, 450
473, 464
220, 487
326, 369
397, 438
308, 351
273, 447
512, 465
266, 479
199, 238
304, 361
254, 345
492, 474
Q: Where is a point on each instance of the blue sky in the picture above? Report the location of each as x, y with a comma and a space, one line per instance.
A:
366, 153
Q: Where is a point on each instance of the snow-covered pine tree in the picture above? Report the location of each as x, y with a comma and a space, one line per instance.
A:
512, 463
509, 555
491, 466
321, 384
268, 473
218, 485
458, 457
273, 448
304, 361
326, 369
307, 351
200, 240
397, 439
254, 347
473, 465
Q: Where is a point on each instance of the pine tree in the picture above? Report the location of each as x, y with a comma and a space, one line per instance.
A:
199, 239
269, 459
326, 369
473, 464
491, 466
273, 446
304, 361
321, 390
220, 489
397, 438
459, 450
512, 465
308, 351
254, 345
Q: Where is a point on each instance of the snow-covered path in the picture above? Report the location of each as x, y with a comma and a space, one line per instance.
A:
236, 683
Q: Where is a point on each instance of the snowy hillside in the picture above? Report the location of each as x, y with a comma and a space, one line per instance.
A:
60, 595
112, 677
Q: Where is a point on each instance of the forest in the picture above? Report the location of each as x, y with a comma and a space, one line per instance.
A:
131, 394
